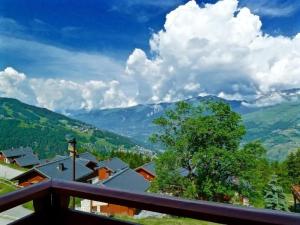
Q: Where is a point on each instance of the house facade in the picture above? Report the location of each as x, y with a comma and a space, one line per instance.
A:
125, 179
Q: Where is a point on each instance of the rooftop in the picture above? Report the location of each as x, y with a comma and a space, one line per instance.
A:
27, 160
89, 156
128, 180
150, 167
62, 168
115, 164
15, 152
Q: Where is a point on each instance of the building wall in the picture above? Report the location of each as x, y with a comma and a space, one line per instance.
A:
103, 173
112, 209
145, 174
33, 179
2, 158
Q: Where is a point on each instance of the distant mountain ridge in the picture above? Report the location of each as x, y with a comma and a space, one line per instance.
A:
44, 130
136, 122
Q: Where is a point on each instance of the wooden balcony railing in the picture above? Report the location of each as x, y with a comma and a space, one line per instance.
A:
51, 200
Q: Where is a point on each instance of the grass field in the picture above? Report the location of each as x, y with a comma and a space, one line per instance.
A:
166, 221
13, 166
5, 188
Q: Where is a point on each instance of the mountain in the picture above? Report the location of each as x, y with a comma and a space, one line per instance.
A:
272, 118
278, 127
136, 122
45, 131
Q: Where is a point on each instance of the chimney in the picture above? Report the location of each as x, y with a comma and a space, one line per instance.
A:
60, 167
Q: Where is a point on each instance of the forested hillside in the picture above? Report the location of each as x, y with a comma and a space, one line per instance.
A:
45, 131
276, 126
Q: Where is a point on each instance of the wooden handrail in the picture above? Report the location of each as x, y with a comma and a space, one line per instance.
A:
24, 195
203, 210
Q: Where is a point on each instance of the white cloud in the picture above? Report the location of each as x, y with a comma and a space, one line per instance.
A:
14, 84
215, 49
62, 95
219, 48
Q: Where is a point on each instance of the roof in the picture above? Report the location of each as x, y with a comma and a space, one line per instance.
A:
115, 164
128, 180
58, 157
15, 152
89, 156
183, 172
60, 169
27, 160
150, 167
52, 169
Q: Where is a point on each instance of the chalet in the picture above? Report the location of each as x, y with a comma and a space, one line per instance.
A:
109, 167
27, 160
148, 171
23, 157
60, 167
126, 179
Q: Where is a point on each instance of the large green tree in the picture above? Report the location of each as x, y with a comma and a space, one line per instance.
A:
205, 140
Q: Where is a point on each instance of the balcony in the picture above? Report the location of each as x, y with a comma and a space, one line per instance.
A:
51, 200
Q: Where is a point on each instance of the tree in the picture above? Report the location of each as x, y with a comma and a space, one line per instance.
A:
254, 169
204, 139
274, 196
293, 167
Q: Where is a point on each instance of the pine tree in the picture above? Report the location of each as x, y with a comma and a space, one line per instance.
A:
274, 196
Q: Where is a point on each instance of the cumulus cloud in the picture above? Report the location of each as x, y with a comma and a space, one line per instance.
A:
14, 84
217, 49
63, 95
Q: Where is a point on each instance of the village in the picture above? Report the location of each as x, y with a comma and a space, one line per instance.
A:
112, 173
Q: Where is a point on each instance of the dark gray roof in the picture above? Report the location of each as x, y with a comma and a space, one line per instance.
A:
150, 167
183, 172
128, 180
27, 160
115, 164
17, 152
58, 157
89, 156
52, 169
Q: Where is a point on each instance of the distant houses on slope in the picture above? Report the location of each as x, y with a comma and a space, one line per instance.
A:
23, 157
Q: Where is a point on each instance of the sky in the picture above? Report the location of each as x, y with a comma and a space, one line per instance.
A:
93, 54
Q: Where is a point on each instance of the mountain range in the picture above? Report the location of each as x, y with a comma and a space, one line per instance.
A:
273, 118
45, 131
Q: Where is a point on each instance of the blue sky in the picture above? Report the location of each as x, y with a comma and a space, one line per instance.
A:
116, 27
78, 40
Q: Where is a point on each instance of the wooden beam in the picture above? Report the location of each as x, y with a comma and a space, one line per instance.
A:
203, 210
24, 195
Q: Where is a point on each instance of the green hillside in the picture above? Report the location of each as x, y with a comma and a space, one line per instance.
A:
278, 127
44, 130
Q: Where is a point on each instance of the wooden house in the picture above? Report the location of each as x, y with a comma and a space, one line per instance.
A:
23, 157
61, 167
126, 179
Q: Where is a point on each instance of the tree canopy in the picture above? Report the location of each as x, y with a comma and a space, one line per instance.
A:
205, 140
